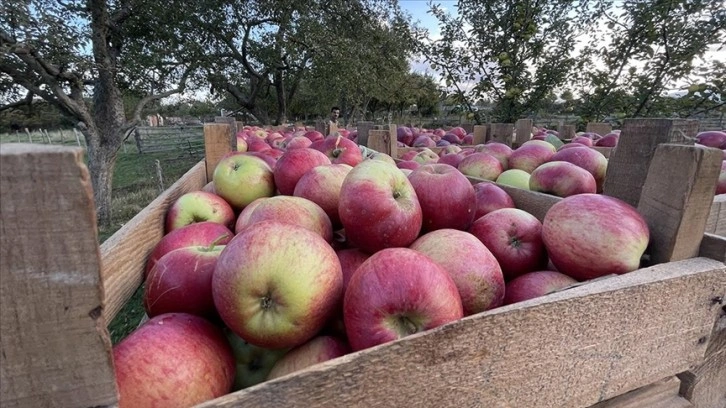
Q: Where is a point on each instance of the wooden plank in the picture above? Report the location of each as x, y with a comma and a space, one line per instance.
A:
124, 254
661, 394
468, 127
629, 163
676, 199
55, 350
705, 385
600, 128
381, 141
523, 132
501, 132
218, 141
713, 246
716, 223
544, 352
480, 135
363, 129
567, 132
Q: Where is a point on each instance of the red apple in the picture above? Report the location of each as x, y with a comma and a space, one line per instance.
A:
408, 164
277, 284
424, 141
583, 140
339, 150
379, 207
322, 185
314, 135
499, 150
451, 159
535, 284
197, 206
515, 238
609, 140
712, 138
529, 157
317, 350
481, 165
395, 293
490, 197
592, 235
181, 281
290, 210
255, 144
446, 196
267, 156
475, 271
298, 142
562, 179
589, 159
242, 178
294, 164
173, 360
198, 234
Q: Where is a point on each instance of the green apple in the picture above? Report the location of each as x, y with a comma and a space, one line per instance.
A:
242, 178
515, 178
253, 363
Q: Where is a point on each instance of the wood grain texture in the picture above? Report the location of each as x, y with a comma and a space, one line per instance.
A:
545, 352
661, 394
716, 223
381, 141
629, 163
600, 128
713, 246
55, 350
567, 132
606, 151
124, 254
363, 129
480, 135
705, 385
218, 141
501, 132
522, 132
676, 199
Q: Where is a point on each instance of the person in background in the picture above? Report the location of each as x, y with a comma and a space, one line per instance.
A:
334, 115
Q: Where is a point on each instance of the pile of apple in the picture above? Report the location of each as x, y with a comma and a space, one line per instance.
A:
280, 263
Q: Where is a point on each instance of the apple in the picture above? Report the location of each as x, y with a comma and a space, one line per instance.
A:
196, 206
339, 150
459, 131
242, 178
475, 271
490, 197
383, 157
288, 209
317, 350
515, 178
514, 237
424, 141
543, 143
253, 364
450, 150
721, 184
535, 284
583, 140
426, 156
589, 159
529, 157
499, 150
268, 156
255, 144
322, 185
612, 241
209, 187
202, 233
712, 138
277, 284
181, 281
409, 155
408, 164
404, 135
562, 179
241, 143
293, 165
297, 142
395, 293
451, 159
378, 207
609, 140
446, 197
481, 165
173, 360
314, 135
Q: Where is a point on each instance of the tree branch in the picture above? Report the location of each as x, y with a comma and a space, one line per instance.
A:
245, 40
28, 100
136, 118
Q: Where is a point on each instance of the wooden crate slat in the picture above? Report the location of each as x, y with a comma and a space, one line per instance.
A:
363, 129
55, 347
218, 141
124, 254
501, 132
716, 223
676, 199
629, 163
480, 135
661, 394
713, 246
599, 127
523, 132
651, 324
382, 141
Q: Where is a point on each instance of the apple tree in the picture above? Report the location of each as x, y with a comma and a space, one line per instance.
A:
83, 57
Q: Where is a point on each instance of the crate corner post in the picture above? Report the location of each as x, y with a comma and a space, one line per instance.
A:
54, 336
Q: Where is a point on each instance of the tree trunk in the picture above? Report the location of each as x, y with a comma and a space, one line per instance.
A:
101, 161
281, 99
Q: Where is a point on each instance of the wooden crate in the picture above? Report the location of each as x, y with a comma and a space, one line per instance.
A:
653, 337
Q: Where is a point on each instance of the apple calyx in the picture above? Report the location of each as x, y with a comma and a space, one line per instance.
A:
336, 152
404, 325
515, 242
266, 302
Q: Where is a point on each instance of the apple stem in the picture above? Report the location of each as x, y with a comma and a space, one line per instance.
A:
216, 242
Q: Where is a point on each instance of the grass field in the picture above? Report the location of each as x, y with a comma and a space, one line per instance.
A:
135, 185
